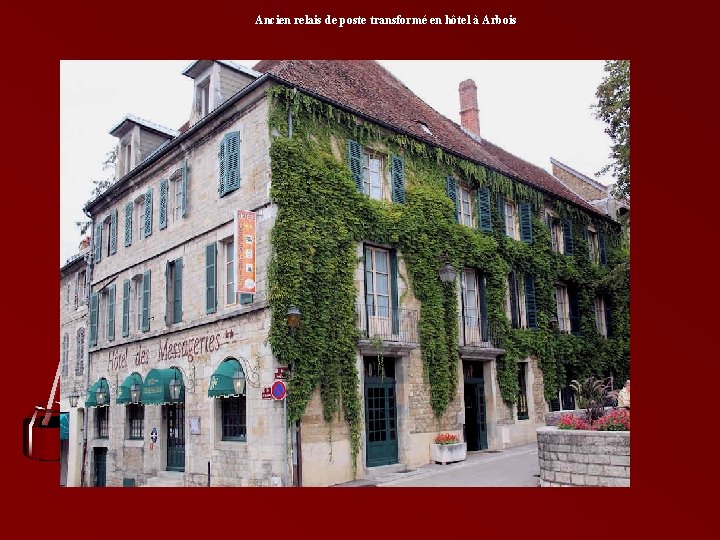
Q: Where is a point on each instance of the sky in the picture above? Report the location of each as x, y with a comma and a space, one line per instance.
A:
534, 109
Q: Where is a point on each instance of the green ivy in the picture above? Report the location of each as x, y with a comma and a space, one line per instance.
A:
321, 218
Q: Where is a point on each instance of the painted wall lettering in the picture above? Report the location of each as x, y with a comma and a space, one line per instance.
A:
190, 347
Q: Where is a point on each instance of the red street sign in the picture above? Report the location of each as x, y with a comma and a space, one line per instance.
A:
281, 372
266, 393
279, 390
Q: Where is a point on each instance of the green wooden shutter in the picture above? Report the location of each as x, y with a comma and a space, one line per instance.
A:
168, 293
113, 231
177, 290
97, 238
394, 292
530, 306
163, 204
398, 180
451, 190
526, 222
232, 161
501, 211
185, 189
513, 292
601, 245
126, 308
111, 313
148, 213
93, 319
222, 167
369, 302
146, 301
128, 223
483, 203
211, 278
483, 307
568, 237
355, 158
246, 298
574, 305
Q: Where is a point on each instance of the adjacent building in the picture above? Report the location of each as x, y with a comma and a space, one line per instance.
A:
410, 278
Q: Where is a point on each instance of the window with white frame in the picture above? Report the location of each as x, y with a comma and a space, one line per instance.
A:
373, 180
230, 295
176, 196
474, 307
563, 307
140, 215
465, 205
80, 290
600, 316
523, 412
203, 96
377, 282
511, 229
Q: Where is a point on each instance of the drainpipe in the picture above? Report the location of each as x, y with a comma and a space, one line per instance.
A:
298, 433
88, 280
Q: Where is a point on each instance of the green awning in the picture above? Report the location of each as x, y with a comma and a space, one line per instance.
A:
124, 391
64, 426
221, 382
91, 400
156, 388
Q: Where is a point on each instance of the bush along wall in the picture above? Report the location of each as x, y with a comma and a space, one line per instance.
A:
321, 218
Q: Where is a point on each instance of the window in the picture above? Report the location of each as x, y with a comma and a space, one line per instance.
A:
520, 300
102, 315
136, 304
176, 195
367, 170
203, 97
173, 291
565, 400
136, 420
67, 294
231, 297
563, 308
381, 296
64, 352
111, 312
229, 163
233, 418
511, 227
465, 205
144, 304
593, 250
101, 422
474, 307
522, 405
211, 278
126, 157
556, 236
603, 319
80, 290
94, 312
140, 216
80, 348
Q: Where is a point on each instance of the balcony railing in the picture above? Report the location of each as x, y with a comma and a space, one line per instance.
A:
479, 332
387, 324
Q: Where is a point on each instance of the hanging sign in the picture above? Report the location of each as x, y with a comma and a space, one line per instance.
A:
279, 390
245, 251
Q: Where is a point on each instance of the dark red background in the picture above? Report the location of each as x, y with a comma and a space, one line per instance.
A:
33, 44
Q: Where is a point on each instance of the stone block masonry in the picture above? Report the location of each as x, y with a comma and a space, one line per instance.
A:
583, 458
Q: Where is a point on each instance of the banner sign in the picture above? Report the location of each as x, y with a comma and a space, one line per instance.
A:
245, 252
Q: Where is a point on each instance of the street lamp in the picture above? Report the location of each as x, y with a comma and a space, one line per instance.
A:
447, 273
175, 386
74, 397
293, 318
553, 323
135, 393
239, 381
100, 395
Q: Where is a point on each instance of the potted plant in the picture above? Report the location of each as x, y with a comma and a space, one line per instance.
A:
447, 448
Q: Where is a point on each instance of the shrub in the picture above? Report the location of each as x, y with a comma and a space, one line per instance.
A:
616, 420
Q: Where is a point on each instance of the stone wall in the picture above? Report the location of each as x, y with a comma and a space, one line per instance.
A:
583, 458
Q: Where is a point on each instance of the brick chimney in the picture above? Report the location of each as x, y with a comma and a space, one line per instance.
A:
469, 115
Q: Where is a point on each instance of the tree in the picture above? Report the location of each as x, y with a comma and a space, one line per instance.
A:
613, 108
101, 184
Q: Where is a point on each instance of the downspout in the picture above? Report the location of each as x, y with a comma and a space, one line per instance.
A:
88, 279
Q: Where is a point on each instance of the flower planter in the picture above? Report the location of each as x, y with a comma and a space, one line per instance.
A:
448, 453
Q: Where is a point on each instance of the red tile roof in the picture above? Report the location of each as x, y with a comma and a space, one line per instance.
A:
368, 88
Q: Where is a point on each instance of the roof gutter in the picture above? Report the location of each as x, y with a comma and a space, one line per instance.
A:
172, 143
390, 127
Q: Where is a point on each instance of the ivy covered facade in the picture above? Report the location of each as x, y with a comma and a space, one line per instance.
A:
369, 201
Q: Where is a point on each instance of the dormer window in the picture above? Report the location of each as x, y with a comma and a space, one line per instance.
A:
424, 127
203, 97
126, 156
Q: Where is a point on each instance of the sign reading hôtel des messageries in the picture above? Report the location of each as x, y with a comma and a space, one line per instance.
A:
245, 251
